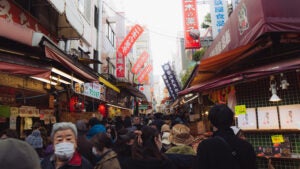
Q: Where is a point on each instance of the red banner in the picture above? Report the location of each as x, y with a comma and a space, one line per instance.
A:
144, 73
190, 23
125, 47
140, 62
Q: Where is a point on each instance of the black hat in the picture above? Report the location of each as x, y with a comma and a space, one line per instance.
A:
18, 154
221, 116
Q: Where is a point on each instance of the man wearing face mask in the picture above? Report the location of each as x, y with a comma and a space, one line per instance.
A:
65, 156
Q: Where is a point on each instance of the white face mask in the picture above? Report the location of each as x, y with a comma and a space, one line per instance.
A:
64, 151
95, 152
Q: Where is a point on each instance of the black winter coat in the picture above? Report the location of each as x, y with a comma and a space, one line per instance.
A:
148, 164
213, 153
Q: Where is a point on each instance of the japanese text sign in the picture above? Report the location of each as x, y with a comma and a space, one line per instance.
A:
190, 23
140, 62
144, 73
218, 15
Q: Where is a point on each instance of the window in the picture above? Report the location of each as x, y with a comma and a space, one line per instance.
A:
110, 34
96, 66
84, 7
96, 16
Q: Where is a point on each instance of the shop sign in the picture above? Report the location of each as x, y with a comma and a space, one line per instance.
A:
13, 122
190, 17
277, 138
240, 109
13, 13
140, 62
92, 90
218, 15
171, 80
144, 73
29, 111
14, 111
125, 47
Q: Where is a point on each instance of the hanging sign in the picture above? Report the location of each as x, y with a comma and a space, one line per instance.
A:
92, 90
140, 62
144, 73
277, 138
240, 109
125, 47
190, 24
218, 15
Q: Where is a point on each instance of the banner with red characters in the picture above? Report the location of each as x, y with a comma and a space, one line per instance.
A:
191, 26
140, 62
144, 73
125, 47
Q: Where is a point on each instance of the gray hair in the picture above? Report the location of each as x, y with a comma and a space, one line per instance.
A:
63, 126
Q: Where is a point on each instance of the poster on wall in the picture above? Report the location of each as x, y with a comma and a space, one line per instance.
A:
267, 117
247, 120
289, 116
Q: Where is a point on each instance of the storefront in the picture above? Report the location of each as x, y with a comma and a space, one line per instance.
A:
254, 59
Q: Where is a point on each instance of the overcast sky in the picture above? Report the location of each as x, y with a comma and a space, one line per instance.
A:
164, 20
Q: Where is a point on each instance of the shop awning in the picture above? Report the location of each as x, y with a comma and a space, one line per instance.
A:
238, 77
132, 90
18, 69
108, 84
52, 52
244, 34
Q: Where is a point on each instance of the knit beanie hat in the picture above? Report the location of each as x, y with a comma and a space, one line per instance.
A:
35, 139
221, 116
17, 154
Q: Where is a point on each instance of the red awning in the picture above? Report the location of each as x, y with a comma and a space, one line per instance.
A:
258, 72
55, 54
17, 69
243, 35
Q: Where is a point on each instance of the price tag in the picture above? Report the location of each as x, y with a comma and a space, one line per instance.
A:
240, 109
277, 138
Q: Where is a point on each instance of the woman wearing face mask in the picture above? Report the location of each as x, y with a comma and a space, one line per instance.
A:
65, 156
146, 151
102, 147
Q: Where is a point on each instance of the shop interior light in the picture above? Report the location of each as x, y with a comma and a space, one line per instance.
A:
59, 72
60, 80
44, 80
273, 89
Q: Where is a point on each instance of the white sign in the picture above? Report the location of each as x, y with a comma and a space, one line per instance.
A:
267, 117
92, 90
248, 120
289, 116
219, 15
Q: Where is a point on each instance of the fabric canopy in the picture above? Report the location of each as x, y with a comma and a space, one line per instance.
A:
55, 54
245, 75
17, 69
244, 33
132, 90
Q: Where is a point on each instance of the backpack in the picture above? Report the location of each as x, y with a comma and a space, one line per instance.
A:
233, 152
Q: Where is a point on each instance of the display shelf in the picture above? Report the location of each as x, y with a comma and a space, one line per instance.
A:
272, 131
292, 157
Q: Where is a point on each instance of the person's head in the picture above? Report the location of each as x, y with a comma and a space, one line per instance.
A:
136, 120
180, 135
147, 144
81, 126
165, 128
36, 125
17, 154
93, 121
127, 122
221, 116
64, 138
9, 133
101, 143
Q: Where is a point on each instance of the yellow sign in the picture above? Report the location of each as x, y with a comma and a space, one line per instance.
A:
240, 109
277, 138
108, 84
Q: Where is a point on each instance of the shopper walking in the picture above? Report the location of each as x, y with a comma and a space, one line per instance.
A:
146, 151
102, 147
64, 138
224, 150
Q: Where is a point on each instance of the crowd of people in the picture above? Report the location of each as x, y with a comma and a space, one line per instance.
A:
128, 143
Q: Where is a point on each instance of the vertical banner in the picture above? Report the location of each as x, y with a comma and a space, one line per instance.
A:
171, 92
191, 26
219, 15
125, 47
144, 73
140, 62
171, 79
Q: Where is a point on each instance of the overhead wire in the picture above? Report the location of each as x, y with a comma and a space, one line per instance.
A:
147, 28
